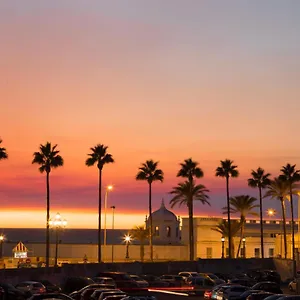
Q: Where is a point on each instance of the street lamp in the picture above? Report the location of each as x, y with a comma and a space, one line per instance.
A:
244, 247
2, 237
223, 244
127, 239
108, 189
58, 224
271, 212
112, 227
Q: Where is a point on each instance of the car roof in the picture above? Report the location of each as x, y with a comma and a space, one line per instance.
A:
29, 282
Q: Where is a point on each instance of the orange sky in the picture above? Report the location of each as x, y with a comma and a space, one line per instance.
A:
198, 81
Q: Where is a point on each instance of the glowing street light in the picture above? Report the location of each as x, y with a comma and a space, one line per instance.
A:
223, 245
271, 212
127, 239
109, 188
244, 247
58, 224
2, 238
112, 227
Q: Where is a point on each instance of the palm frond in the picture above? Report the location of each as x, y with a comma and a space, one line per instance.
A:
149, 172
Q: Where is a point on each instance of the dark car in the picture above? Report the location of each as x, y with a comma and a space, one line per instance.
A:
259, 296
50, 287
290, 297
50, 296
154, 281
94, 286
265, 275
12, 293
72, 284
242, 281
275, 296
97, 293
268, 286
122, 280
247, 293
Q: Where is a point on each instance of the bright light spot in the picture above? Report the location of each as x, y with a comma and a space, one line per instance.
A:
127, 238
271, 212
109, 187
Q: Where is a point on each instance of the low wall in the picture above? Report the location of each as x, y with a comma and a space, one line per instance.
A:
283, 267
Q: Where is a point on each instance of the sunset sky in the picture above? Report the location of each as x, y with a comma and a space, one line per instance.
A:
163, 80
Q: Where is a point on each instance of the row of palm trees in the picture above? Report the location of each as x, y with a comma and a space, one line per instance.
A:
185, 193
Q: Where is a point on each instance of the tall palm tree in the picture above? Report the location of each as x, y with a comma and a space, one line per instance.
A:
244, 205
224, 230
186, 193
100, 157
3, 152
260, 180
227, 169
189, 169
291, 176
149, 172
141, 234
47, 158
279, 189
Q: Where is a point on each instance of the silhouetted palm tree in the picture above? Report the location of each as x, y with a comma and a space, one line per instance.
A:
48, 158
186, 193
260, 180
149, 172
141, 234
3, 152
223, 229
227, 170
279, 189
291, 176
244, 205
190, 170
100, 157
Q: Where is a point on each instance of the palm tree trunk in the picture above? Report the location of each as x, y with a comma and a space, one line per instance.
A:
48, 219
191, 230
293, 232
99, 215
284, 227
150, 217
261, 224
142, 251
228, 216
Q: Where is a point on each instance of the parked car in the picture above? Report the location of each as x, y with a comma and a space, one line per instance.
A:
154, 281
231, 292
290, 297
245, 295
31, 287
72, 284
186, 275
201, 282
265, 275
140, 281
104, 280
97, 293
12, 293
122, 280
268, 286
259, 296
274, 297
214, 277
242, 281
173, 280
50, 296
111, 293
114, 297
50, 287
77, 294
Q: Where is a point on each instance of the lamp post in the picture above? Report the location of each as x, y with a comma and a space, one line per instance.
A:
108, 189
244, 247
112, 227
223, 245
271, 213
58, 224
127, 239
1, 245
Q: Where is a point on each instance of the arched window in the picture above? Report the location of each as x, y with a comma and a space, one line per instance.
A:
168, 231
156, 231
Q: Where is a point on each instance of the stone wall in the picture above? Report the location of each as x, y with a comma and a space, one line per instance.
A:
157, 268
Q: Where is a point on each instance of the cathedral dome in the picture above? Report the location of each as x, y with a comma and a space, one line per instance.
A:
163, 214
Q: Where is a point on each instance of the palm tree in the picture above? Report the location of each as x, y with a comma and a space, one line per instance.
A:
224, 230
244, 205
186, 193
141, 234
189, 169
48, 158
228, 169
291, 176
100, 157
149, 172
260, 180
3, 153
279, 189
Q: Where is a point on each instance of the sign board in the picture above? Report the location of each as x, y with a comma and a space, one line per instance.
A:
20, 251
